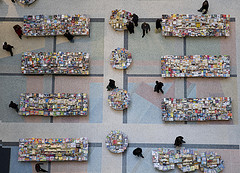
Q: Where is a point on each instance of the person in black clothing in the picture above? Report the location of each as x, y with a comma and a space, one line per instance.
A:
8, 47
204, 7
38, 168
69, 36
14, 106
130, 27
158, 24
111, 85
158, 87
18, 30
138, 152
145, 27
179, 141
135, 19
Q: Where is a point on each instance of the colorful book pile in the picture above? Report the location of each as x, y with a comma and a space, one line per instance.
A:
197, 109
163, 159
181, 25
187, 160
53, 149
57, 104
211, 162
55, 63
116, 141
120, 58
119, 99
119, 19
195, 66
42, 25
26, 2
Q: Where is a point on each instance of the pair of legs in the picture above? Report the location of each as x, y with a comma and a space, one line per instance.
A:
144, 32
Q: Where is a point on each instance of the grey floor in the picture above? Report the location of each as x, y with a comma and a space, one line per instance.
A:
142, 121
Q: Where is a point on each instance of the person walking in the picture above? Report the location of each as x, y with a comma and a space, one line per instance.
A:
18, 30
14, 106
179, 141
145, 27
158, 87
130, 27
204, 8
138, 152
135, 19
69, 36
8, 48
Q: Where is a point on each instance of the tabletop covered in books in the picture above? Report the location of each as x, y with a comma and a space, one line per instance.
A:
116, 141
121, 58
119, 19
119, 99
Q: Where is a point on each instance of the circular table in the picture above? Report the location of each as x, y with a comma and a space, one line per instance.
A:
120, 58
116, 141
119, 99
119, 19
26, 2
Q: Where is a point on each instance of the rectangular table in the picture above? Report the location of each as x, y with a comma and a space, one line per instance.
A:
53, 149
197, 109
71, 63
57, 104
181, 25
195, 66
43, 25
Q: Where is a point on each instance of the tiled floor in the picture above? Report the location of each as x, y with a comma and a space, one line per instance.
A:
142, 120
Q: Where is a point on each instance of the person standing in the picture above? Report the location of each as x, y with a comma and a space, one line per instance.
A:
111, 85
135, 19
39, 169
158, 24
130, 27
179, 141
138, 152
69, 36
204, 7
158, 87
8, 48
145, 27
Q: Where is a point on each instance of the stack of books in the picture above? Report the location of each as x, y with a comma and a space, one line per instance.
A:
181, 25
55, 63
195, 66
26, 2
163, 159
57, 104
211, 162
120, 58
187, 160
119, 19
116, 141
197, 109
53, 149
41, 25
119, 99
